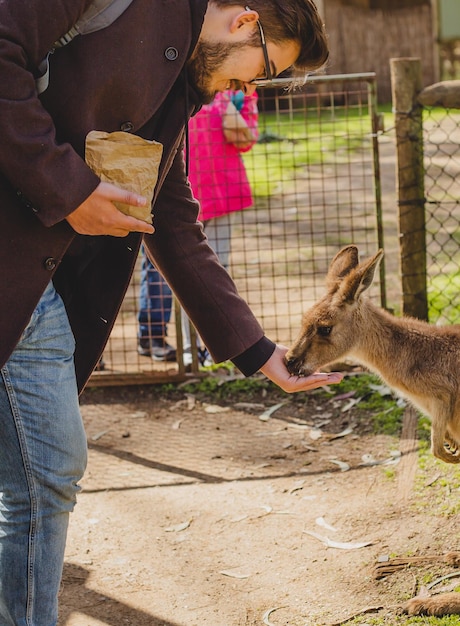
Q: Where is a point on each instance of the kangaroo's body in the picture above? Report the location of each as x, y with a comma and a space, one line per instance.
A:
418, 360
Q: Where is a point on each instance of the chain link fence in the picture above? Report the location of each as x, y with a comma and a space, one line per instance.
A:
441, 139
427, 124
314, 174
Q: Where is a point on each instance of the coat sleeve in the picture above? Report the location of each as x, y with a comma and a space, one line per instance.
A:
208, 294
31, 159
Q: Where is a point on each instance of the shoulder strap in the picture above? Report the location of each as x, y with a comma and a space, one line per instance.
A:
99, 15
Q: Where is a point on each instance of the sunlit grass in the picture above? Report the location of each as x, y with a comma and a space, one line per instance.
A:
448, 620
289, 143
443, 302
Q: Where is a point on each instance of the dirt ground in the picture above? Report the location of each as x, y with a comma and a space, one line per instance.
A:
196, 513
192, 513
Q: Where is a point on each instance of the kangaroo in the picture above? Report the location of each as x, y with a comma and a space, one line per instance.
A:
421, 362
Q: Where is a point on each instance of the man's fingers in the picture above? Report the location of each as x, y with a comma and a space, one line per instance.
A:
116, 194
128, 197
132, 224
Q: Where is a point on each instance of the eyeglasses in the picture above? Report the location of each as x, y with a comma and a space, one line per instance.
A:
260, 82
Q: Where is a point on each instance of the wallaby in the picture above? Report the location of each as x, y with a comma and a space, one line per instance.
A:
421, 362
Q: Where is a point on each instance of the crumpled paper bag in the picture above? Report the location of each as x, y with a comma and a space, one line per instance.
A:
128, 161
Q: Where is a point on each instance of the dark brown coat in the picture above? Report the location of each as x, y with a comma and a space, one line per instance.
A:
123, 77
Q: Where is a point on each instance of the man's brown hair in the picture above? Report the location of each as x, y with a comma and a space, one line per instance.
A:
291, 20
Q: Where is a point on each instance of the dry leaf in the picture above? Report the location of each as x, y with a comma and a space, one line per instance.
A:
349, 405
178, 527
266, 617
191, 401
215, 408
138, 414
265, 416
227, 572
344, 433
382, 390
298, 485
344, 467
346, 395
315, 434
99, 435
322, 522
266, 508
368, 460
256, 406
341, 545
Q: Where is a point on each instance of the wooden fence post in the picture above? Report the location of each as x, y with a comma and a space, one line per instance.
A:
406, 84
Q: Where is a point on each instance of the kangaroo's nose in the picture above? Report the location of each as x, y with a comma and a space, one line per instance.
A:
293, 364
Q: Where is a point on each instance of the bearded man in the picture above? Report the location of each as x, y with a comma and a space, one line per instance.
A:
67, 253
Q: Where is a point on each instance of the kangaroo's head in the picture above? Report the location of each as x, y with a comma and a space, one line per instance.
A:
333, 326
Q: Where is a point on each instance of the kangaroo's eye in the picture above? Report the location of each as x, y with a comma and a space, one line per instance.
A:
324, 331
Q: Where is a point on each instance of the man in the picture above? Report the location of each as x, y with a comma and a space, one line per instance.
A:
67, 253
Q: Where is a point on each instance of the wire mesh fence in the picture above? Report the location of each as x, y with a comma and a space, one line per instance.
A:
314, 176
441, 139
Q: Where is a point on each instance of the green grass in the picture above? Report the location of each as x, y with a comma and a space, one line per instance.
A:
448, 620
377, 400
291, 142
218, 389
443, 303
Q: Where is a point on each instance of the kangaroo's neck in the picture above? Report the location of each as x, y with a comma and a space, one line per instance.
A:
384, 340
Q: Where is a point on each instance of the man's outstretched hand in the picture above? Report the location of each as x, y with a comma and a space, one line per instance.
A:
275, 369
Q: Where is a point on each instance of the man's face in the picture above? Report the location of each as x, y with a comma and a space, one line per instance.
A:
221, 66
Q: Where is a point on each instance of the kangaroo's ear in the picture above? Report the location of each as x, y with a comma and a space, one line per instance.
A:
341, 265
361, 279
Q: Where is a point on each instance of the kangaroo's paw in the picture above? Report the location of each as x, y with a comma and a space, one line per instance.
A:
444, 604
444, 453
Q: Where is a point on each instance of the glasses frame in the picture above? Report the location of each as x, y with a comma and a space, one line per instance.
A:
260, 82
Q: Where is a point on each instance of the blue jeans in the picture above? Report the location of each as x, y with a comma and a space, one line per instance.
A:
155, 303
42, 457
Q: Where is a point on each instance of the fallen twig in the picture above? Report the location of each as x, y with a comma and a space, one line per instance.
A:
393, 565
368, 609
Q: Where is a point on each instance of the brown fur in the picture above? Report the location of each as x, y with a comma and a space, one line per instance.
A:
419, 361
444, 604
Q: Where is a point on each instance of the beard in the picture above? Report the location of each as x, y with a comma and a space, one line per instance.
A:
208, 58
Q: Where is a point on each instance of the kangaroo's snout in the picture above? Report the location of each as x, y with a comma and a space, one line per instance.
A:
296, 365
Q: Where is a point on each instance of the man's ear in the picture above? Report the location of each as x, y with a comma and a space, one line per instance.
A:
243, 19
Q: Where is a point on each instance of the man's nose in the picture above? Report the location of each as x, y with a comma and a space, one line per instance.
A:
249, 89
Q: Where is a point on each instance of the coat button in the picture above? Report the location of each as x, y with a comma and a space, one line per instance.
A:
127, 127
27, 203
171, 53
50, 264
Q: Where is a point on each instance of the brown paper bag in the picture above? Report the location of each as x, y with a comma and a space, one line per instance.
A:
127, 161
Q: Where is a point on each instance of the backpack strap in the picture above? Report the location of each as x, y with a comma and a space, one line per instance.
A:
99, 15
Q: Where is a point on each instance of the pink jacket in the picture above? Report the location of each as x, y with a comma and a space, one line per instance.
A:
216, 172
